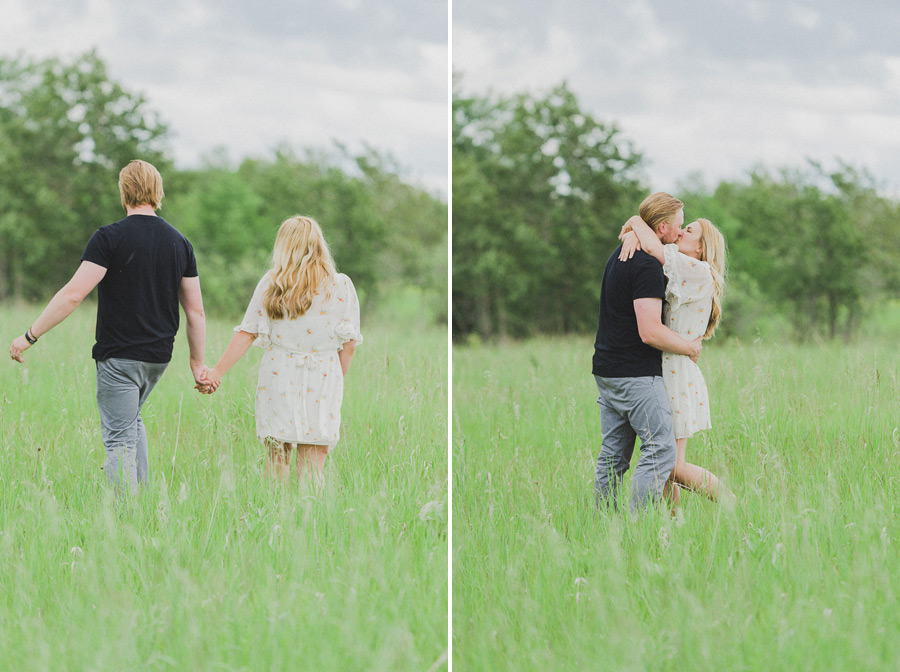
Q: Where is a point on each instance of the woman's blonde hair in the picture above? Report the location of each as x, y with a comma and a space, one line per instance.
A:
658, 208
301, 264
140, 184
712, 251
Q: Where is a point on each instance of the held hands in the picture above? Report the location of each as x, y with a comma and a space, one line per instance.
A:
18, 346
206, 380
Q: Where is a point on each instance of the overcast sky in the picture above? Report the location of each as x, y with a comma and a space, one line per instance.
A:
703, 85
248, 75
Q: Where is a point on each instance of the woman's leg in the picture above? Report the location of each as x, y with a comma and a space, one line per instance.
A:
311, 463
279, 462
693, 477
672, 494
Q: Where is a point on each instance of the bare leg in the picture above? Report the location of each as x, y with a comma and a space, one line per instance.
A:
311, 463
696, 478
279, 462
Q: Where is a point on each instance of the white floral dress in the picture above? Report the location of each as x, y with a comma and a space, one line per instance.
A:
301, 385
689, 292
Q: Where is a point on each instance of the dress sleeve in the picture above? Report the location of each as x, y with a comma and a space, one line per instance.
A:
255, 319
348, 328
689, 279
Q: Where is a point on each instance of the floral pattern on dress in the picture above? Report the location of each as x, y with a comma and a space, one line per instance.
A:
301, 385
686, 312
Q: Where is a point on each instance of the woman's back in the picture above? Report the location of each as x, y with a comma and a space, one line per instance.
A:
325, 326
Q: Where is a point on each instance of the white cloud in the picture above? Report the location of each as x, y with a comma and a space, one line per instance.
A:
805, 17
717, 88
218, 81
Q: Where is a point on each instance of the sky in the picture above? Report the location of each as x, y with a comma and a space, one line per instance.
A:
703, 86
248, 76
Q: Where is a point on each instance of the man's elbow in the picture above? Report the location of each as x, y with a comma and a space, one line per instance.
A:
72, 297
649, 336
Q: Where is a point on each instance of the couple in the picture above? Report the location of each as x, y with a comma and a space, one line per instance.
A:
646, 352
303, 313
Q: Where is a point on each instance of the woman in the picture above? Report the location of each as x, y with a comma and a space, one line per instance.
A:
695, 269
305, 316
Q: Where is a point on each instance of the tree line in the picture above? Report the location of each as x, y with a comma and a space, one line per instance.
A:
540, 191
66, 129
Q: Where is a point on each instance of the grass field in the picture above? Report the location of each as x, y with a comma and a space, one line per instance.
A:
804, 574
214, 567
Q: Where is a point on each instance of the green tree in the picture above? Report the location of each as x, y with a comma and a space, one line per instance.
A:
540, 191
66, 130
798, 241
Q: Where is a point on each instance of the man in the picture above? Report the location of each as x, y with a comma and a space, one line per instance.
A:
144, 268
627, 365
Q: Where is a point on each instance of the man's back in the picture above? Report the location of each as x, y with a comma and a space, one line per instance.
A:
137, 314
619, 351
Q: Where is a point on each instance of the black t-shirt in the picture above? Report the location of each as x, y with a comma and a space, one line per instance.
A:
137, 314
619, 351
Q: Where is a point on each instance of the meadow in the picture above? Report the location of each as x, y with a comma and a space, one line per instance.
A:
213, 566
802, 574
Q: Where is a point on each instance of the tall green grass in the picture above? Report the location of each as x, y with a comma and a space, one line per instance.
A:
214, 567
803, 574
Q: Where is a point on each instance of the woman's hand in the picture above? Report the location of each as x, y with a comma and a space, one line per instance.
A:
210, 382
630, 245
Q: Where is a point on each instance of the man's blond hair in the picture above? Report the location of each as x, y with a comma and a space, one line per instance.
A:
658, 208
140, 184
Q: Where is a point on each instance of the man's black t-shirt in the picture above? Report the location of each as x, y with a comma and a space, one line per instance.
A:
137, 313
619, 351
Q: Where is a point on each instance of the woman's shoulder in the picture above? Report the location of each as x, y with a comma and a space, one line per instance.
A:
672, 252
264, 280
343, 280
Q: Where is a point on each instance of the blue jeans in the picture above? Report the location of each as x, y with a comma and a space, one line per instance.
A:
123, 386
632, 407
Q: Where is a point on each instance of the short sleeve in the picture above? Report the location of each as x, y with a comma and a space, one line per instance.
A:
348, 329
689, 279
255, 319
97, 249
648, 281
190, 270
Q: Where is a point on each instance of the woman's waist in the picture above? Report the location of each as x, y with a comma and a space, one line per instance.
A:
680, 360
316, 351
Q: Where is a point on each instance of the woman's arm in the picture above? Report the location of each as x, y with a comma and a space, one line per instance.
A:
346, 355
649, 241
240, 343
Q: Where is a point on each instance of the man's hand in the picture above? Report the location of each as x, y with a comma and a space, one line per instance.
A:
18, 346
201, 380
207, 380
210, 383
698, 345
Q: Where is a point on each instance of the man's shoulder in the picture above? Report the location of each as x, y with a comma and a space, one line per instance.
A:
641, 261
164, 226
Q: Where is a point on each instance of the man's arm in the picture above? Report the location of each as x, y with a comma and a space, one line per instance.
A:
61, 305
653, 332
192, 302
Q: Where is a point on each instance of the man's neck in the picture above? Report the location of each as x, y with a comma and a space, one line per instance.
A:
140, 210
